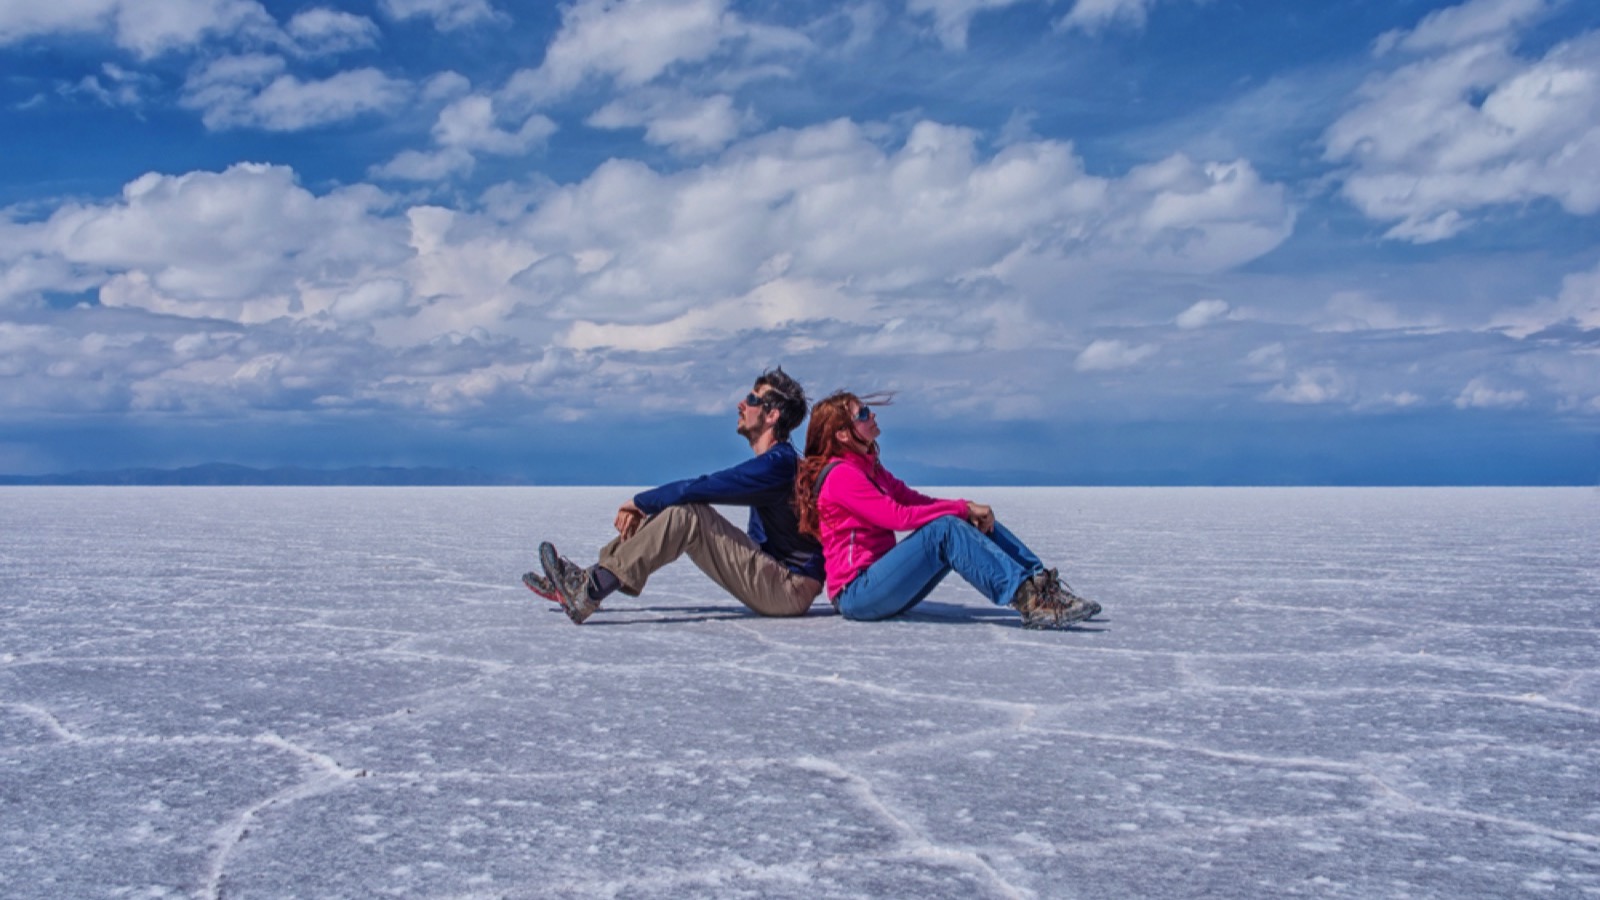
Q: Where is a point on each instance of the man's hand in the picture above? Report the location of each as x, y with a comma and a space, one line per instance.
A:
629, 518
981, 516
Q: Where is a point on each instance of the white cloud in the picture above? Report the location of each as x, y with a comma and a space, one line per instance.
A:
29, 272
151, 26
1271, 360
862, 21
1093, 16
371, 299
425, 165
634, 42
919, 336
769, 307
466, 267
1180, 215
1468, 23
1473, 126
446, 86
289, 104
466, 127
19, 20
1311, 386
951, 18
115, 86
54, 370
325, 31
446, 14
930, 213
237, 244
1478, 394
1107, 355
649, 261
217, 80
1571, 378
1400, 400
1201, 314
1356, 311
252, 91
471, 124
822, 237
630, 42
145, 27
1578, 303
685, 124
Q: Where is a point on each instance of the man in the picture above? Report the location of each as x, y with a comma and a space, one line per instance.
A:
773, 569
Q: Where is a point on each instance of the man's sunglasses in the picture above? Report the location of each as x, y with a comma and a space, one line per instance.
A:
755, 399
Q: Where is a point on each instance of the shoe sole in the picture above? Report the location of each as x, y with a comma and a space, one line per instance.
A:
1063, 621
541, 587
1057, 625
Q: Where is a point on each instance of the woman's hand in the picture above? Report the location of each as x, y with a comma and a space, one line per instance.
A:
629, 518
981, 516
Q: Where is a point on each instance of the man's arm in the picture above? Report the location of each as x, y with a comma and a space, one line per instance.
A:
757, 480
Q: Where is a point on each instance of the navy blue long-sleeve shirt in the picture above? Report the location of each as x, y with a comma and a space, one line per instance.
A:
764, 483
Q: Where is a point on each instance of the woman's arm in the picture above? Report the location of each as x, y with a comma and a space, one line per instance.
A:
980, 515
901, 492
849, 487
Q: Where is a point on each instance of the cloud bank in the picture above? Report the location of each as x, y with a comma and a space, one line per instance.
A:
657, 197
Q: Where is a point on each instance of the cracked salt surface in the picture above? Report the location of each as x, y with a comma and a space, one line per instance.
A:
331, 692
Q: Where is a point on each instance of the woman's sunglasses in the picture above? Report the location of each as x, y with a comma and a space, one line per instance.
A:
864, 413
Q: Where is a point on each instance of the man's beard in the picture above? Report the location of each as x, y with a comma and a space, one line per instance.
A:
750, 434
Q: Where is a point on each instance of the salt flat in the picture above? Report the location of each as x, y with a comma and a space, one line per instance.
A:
330, 692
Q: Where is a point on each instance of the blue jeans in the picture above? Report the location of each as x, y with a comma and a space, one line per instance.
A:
995, 563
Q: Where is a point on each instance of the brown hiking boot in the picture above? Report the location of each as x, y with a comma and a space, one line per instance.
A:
1063, 592
1038, 600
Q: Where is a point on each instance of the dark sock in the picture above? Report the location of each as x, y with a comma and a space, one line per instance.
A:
602, 583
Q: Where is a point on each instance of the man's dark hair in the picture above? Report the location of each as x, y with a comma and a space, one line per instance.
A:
787, 397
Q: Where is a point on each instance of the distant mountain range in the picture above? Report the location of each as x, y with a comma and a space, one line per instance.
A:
226, 474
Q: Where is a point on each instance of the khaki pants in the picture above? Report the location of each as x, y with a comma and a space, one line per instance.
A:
726, 554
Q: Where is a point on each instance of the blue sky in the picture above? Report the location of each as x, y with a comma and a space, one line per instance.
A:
1087, 241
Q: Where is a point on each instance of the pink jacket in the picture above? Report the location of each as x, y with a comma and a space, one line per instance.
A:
860, 508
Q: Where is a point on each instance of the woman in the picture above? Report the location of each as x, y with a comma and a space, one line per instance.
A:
849, 501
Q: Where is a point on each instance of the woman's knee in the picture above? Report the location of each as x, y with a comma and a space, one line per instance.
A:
947, 525
951, 532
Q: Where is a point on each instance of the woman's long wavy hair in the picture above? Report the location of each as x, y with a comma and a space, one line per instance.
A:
829, 416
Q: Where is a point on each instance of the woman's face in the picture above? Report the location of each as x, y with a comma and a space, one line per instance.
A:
866, 429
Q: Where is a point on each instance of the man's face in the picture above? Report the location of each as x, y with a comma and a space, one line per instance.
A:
753, 417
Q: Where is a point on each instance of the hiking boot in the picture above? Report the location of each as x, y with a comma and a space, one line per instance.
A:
571, 582
1063, 592
542, 586
1034, 601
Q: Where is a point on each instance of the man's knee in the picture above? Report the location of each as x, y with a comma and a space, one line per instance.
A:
674, 514
696, 525
686, 515
684, 512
